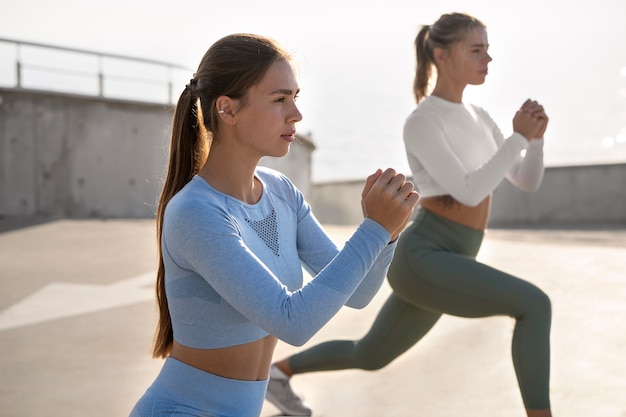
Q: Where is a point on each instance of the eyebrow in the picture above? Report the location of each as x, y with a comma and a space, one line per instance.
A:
285, 91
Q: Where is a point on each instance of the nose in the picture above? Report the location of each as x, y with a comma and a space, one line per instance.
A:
296, 116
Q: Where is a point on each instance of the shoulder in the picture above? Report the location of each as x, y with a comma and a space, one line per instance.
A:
424, 120
195, 199
482, 113
430, 110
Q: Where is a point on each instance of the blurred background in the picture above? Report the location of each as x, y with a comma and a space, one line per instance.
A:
356, 64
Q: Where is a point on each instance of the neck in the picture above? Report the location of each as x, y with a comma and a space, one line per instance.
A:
448, 91
232, 176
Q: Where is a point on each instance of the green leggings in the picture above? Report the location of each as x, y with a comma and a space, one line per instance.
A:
434, 272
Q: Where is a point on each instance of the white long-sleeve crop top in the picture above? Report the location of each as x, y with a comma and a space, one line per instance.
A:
233, 271
457, 149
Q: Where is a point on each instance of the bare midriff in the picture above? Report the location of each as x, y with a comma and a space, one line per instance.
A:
475, 217
247, 362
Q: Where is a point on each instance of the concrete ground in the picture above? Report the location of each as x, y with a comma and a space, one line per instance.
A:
77, 318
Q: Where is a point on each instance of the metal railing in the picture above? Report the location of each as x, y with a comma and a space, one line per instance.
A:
102, 69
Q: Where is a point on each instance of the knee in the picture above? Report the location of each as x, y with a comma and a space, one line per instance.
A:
540, 306
544, 303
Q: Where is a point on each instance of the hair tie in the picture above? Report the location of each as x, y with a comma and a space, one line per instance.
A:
192, 85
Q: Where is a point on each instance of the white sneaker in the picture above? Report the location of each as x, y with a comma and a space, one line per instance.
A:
280, 394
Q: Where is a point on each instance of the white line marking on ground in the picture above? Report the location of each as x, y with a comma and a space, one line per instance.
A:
59, 300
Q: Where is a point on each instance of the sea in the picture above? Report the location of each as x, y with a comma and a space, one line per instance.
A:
362, 132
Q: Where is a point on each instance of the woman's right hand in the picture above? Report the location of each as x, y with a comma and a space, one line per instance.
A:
530, 120
389, 199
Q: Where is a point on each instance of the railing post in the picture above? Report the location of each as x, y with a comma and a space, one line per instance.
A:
100, 77
18, 66
170, 85
18, 73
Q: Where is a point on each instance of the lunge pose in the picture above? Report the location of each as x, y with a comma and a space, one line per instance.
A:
458, 156
234, 236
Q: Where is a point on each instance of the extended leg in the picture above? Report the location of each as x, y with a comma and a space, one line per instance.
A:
398, 326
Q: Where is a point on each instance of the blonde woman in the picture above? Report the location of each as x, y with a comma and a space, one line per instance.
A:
458, 156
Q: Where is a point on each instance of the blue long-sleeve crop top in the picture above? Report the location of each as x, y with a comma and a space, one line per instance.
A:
233, 271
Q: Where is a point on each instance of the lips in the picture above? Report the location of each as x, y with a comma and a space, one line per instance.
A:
289, 137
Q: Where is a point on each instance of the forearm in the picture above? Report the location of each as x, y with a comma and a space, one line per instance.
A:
374, 279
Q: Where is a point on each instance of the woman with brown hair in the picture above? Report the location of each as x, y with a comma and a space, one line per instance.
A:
234, 236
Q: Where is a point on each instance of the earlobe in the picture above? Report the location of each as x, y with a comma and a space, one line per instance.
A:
225, 109
222, 104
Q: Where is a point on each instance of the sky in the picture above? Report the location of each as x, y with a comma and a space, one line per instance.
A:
352, 55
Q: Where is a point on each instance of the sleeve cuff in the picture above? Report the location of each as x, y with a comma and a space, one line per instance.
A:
520, 139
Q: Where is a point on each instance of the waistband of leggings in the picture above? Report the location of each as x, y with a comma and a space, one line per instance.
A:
198, 386
445, 231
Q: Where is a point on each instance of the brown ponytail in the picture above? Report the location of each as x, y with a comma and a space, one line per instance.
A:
188, 152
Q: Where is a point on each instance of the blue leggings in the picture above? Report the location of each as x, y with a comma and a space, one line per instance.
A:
184, 391
434, 272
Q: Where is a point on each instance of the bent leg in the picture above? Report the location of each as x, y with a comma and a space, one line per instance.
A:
398, 326
459, 285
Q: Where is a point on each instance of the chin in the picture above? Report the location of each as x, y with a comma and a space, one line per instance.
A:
282, 154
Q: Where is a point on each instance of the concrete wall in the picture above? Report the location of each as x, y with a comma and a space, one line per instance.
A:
65, 156
77, 157
569, 196
338, 202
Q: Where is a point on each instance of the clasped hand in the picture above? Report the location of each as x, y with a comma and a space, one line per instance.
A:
389, 199
530, 120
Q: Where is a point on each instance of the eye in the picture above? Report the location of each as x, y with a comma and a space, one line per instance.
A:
282, 99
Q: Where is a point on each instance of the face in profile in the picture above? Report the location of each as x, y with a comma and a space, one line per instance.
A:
266, 120
468, 59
